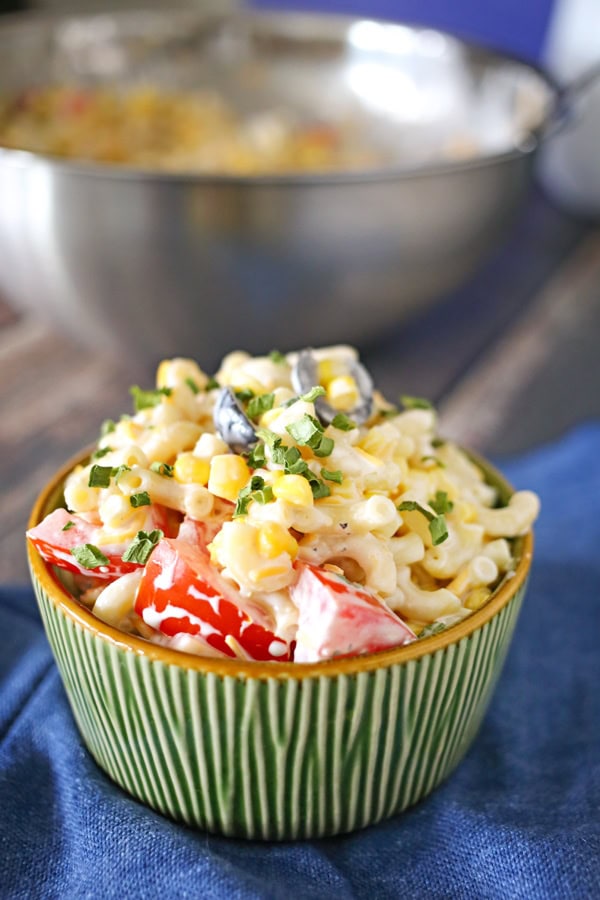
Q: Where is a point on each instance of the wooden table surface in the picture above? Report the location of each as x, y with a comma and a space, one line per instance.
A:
511, 360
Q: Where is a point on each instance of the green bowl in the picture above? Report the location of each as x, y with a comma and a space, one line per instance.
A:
276, 750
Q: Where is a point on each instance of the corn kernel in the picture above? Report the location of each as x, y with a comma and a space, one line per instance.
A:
269, 417
326, 371
228, 475
190, 469
342, 392
477, 598
294, 489
274, 539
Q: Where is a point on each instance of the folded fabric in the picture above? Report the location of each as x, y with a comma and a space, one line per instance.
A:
520, 817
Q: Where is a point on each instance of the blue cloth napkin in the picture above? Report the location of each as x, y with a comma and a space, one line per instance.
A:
520, 817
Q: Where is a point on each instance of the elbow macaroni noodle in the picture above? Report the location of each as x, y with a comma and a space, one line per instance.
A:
383, 483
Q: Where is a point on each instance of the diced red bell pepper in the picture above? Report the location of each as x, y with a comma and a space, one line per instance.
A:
339, 618
182, 593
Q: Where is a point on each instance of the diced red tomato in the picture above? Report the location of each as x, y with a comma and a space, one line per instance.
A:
54, 543
182, 592
338, 618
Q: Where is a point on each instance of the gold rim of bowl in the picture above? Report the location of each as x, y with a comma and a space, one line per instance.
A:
256, 669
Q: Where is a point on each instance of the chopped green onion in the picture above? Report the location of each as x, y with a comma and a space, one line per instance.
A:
162, 468
100, 452
438, 530
437, 442
277, 357
342, 422
264, 495
308, 432
259, 405
437, 524
435, 460
291, 460
211, 384
324, 447
244, 394
333, 475
409, 402
141, 499
89, 556
100, 476
441, 504
192, 385
70, 524
142, 546
317, 391
107, 427
118, 471
390, 413
256, 489
256, 457
147, 399
319, 488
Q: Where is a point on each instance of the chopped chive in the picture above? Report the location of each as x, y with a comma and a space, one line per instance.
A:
441, 504
256, 457
142, 546
324, 447
437, 524
118, 471
140, 499
244, 394
107, 427
435, 460
89, 556
277, 357
162, 468
256, 489
100, 452
438, 530
308, 432
409, 402
342, 422
317, 391
335, 475
148, 399
319, 488
259, 405
192, 385
212, 384
70, 524
100, 476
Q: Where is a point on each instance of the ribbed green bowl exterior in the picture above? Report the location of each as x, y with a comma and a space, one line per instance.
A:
277, 758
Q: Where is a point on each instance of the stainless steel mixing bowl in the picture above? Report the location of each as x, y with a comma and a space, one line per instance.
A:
158, 264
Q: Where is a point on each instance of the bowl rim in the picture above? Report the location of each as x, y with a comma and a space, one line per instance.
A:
81, 168
250, 669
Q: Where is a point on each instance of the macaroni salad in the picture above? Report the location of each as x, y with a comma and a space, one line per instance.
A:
281, 510
175, 131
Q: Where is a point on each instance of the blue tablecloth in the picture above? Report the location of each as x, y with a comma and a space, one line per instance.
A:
520, 817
